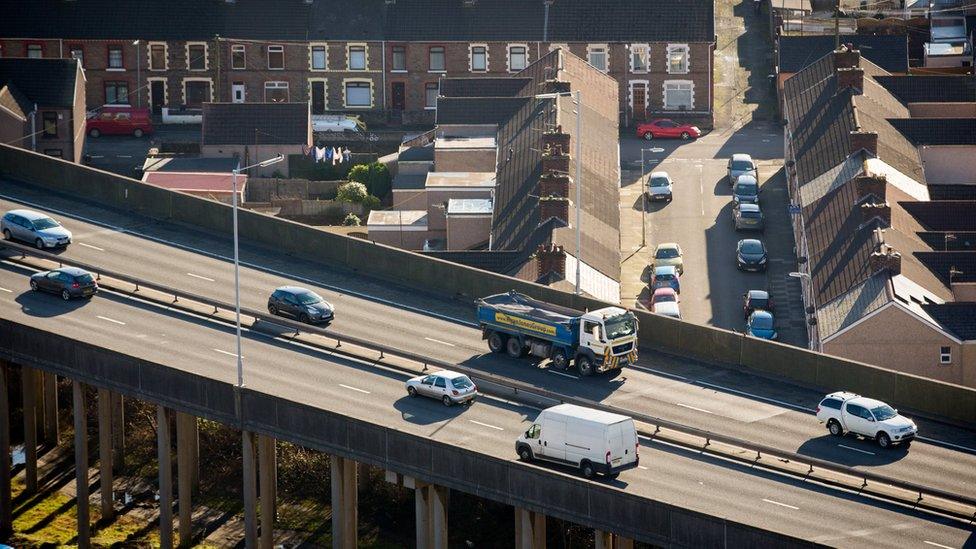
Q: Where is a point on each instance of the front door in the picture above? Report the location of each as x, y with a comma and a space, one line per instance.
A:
638, 98
318, 97
237, 92
157, 95
399, 96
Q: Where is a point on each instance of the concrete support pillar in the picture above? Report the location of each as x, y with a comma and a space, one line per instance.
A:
530, 529
620, 542
81, 463
118, 434
164, 443
28, 383
422, 505
186, 465
51, 434
105, 476
6, 513
345, 503
250, 491
438, 516
604, 540
268, 471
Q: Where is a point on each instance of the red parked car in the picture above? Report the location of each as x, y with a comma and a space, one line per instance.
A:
667, 128
119, 120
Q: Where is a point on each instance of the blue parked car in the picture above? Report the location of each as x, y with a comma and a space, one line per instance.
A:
666, 276
761, 324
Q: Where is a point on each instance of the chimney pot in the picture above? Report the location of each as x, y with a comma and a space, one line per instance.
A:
888, 259
846, 57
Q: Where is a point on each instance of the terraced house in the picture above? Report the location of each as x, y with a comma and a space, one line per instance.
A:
380, 58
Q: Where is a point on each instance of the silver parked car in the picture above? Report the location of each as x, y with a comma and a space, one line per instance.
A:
36, 228
447, 386
741, 164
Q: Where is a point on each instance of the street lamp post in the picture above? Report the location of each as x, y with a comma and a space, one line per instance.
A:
138, 75
644, 195
237, 265
808, 291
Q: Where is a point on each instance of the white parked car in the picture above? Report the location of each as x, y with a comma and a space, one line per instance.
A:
845, 412
446, 386
592, 441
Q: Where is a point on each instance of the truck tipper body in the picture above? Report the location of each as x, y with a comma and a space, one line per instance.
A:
596, 341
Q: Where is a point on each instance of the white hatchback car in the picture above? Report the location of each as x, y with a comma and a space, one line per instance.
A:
845, 412
446, 386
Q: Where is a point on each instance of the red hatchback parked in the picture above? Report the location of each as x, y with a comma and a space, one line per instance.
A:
119, 120
667, 128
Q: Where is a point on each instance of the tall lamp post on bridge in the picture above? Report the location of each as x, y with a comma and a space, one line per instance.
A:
237, 266
813, 305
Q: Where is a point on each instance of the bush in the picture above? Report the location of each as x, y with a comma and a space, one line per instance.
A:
352, 220
359, 173
371, 203
352, 192
374, 175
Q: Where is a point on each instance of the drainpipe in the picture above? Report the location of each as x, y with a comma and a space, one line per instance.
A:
33, 117
545, 22
383, 43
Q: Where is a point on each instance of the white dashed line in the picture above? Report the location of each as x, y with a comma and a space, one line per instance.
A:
794, 507
941, 443
200, 277
486, 425
6, 290
642, 467
743, 393
855, 449
441, 342
107, 319
562, 374
124, 155
354, 389
226, 352
934, 544
90, 246
693, 408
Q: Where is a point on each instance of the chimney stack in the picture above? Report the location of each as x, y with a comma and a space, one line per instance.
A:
852, 78
880, 210
550, 207
846, 57
871, 186
886, 258
864, 140
555, 143
553, 184
550, 258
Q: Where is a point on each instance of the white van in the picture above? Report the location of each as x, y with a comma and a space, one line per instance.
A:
591, 440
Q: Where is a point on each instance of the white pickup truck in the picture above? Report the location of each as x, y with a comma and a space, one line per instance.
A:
845, 412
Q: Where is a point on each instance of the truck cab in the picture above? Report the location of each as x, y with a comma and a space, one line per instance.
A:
610, 334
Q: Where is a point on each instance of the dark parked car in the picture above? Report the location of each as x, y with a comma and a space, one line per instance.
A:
750, 255
301, 304
756, 300
68, 282
745, 190
748, 217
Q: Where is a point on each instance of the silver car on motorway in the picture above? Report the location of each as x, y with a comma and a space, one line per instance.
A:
36, 228
447, 386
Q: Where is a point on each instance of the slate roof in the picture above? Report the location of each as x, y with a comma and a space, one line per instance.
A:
255, 123
189, 164
860, 301
940, 263
947, 215
479, 110
483, 86
931, 88
957, 318
417, 154
937, 131
964, 240
888, 52
47, 82
952, 192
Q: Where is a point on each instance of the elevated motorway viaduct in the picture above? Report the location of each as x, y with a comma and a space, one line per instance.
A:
358, 413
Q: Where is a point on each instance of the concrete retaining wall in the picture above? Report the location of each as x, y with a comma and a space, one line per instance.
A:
417, 271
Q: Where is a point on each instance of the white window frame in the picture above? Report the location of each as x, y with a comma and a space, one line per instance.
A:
508, 56
311, 56
149, 49
664, 91
349, 47
945, 357
392, 65
674, 48
278, 47
444, 52
471, 48
235, 48
277, 85
372, 93
198, 79
325, 91
634, 50
206, 56
593, 48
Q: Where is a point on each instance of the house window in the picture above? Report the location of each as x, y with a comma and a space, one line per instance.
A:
276, 92
197, 92
430, 95
196, 57
78, 52
56, 153
479, 59
638, 58
157, 57
276, 58
518, 57
359, 94
597, 56
357, 58
35, 51
436, 59
237, 60
50, 124
318, 57
679, 95
945, 355
116, 93
399, 58
115, 57
677, 59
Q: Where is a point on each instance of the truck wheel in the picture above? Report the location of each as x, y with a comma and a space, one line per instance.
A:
496, 343
883, 439
585, 365
586, 468
613, 476
559, 360
525, 453
835, 429
513, 347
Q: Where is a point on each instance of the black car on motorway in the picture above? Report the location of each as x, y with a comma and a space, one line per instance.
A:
68, 282
301, 304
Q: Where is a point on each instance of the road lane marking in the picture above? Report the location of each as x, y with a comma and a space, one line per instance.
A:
6, 290
226, 352
200, 277
441, 342
694, 408
124, 155
107, 319
934, 544
660, 372
97, 156
486, 425
743, 393
856, 449
949, 444
92, 247
794, 507
642, 467
562, 374
354, 389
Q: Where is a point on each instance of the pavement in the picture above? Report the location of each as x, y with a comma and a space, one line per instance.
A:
123, 154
